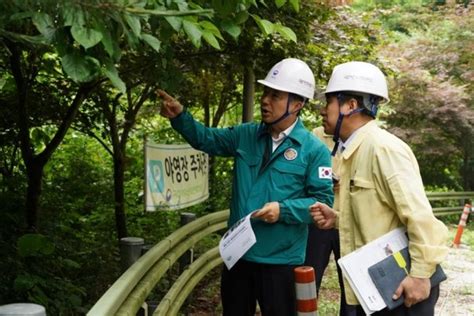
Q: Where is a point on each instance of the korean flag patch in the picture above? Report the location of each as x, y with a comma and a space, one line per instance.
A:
325, 173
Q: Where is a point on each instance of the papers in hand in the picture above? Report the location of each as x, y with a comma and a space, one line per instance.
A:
355, 267
236, 241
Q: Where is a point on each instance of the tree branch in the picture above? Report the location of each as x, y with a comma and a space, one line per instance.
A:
132, 111
71, 113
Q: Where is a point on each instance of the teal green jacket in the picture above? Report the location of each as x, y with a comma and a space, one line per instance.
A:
295, 181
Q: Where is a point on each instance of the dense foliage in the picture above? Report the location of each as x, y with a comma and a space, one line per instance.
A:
431, 55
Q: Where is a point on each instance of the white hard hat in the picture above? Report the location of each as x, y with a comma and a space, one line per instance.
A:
357, 76
291, 75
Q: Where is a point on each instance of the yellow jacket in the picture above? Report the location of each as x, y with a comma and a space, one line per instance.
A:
381, 189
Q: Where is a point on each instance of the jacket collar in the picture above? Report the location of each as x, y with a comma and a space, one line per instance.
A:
297, 134
362, 133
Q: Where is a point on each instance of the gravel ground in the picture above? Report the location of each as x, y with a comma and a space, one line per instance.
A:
457, 292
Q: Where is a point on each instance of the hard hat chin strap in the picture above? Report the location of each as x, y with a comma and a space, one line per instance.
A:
287, 112
336, 136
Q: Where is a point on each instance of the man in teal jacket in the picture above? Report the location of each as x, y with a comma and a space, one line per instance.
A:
280, 169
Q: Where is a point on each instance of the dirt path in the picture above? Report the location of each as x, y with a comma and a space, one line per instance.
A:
457, 292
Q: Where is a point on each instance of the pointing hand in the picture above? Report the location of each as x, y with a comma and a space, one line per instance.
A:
170, 107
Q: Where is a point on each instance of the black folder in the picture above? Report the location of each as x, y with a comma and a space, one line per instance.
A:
387, 276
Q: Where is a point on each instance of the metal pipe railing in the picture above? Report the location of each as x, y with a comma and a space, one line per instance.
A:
174, 299
459, 197
138, 295
119, 292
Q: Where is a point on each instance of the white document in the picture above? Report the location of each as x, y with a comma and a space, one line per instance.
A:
355, 267
236, 241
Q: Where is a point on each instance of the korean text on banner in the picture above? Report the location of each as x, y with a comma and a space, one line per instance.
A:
176, 176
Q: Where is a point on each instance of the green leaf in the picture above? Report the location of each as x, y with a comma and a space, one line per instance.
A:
31, 245
2, 83
44, 24
140, 4
152, 41
112, 73
132, 39
21, 16
231, 28
79, 67
262, 2
73, 15
193, 32
182, 5
211, 39
134, 23
26, 39
107, 42
71, 264
265, 26
175, 22
39, 138
280, 3
24, 283
241, 17
285, 32
211, 28
85, 36
295, 4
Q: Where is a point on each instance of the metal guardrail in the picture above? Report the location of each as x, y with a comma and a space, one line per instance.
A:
127, 294
181, 289
458, 198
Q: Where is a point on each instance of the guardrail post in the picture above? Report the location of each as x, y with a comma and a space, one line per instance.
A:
21, 309
188, 256
146, 247
130, 251
461, 225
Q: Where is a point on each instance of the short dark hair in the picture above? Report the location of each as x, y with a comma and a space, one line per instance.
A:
345, 96
297, 97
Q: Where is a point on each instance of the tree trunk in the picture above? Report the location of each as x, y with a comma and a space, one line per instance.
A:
206, 100
119, 145
34, 171
207, 122
119, 195
248, 95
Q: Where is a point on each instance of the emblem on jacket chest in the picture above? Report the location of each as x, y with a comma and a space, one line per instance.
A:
290, 154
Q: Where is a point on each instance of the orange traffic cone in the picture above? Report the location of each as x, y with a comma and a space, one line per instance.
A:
306, 297
461, 225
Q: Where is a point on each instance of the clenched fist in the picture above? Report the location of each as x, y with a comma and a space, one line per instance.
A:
323, 216
170, 107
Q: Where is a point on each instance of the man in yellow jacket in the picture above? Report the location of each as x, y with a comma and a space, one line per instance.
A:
380, 186
323, 242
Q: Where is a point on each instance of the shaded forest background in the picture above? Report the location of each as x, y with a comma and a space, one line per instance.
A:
77, 100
